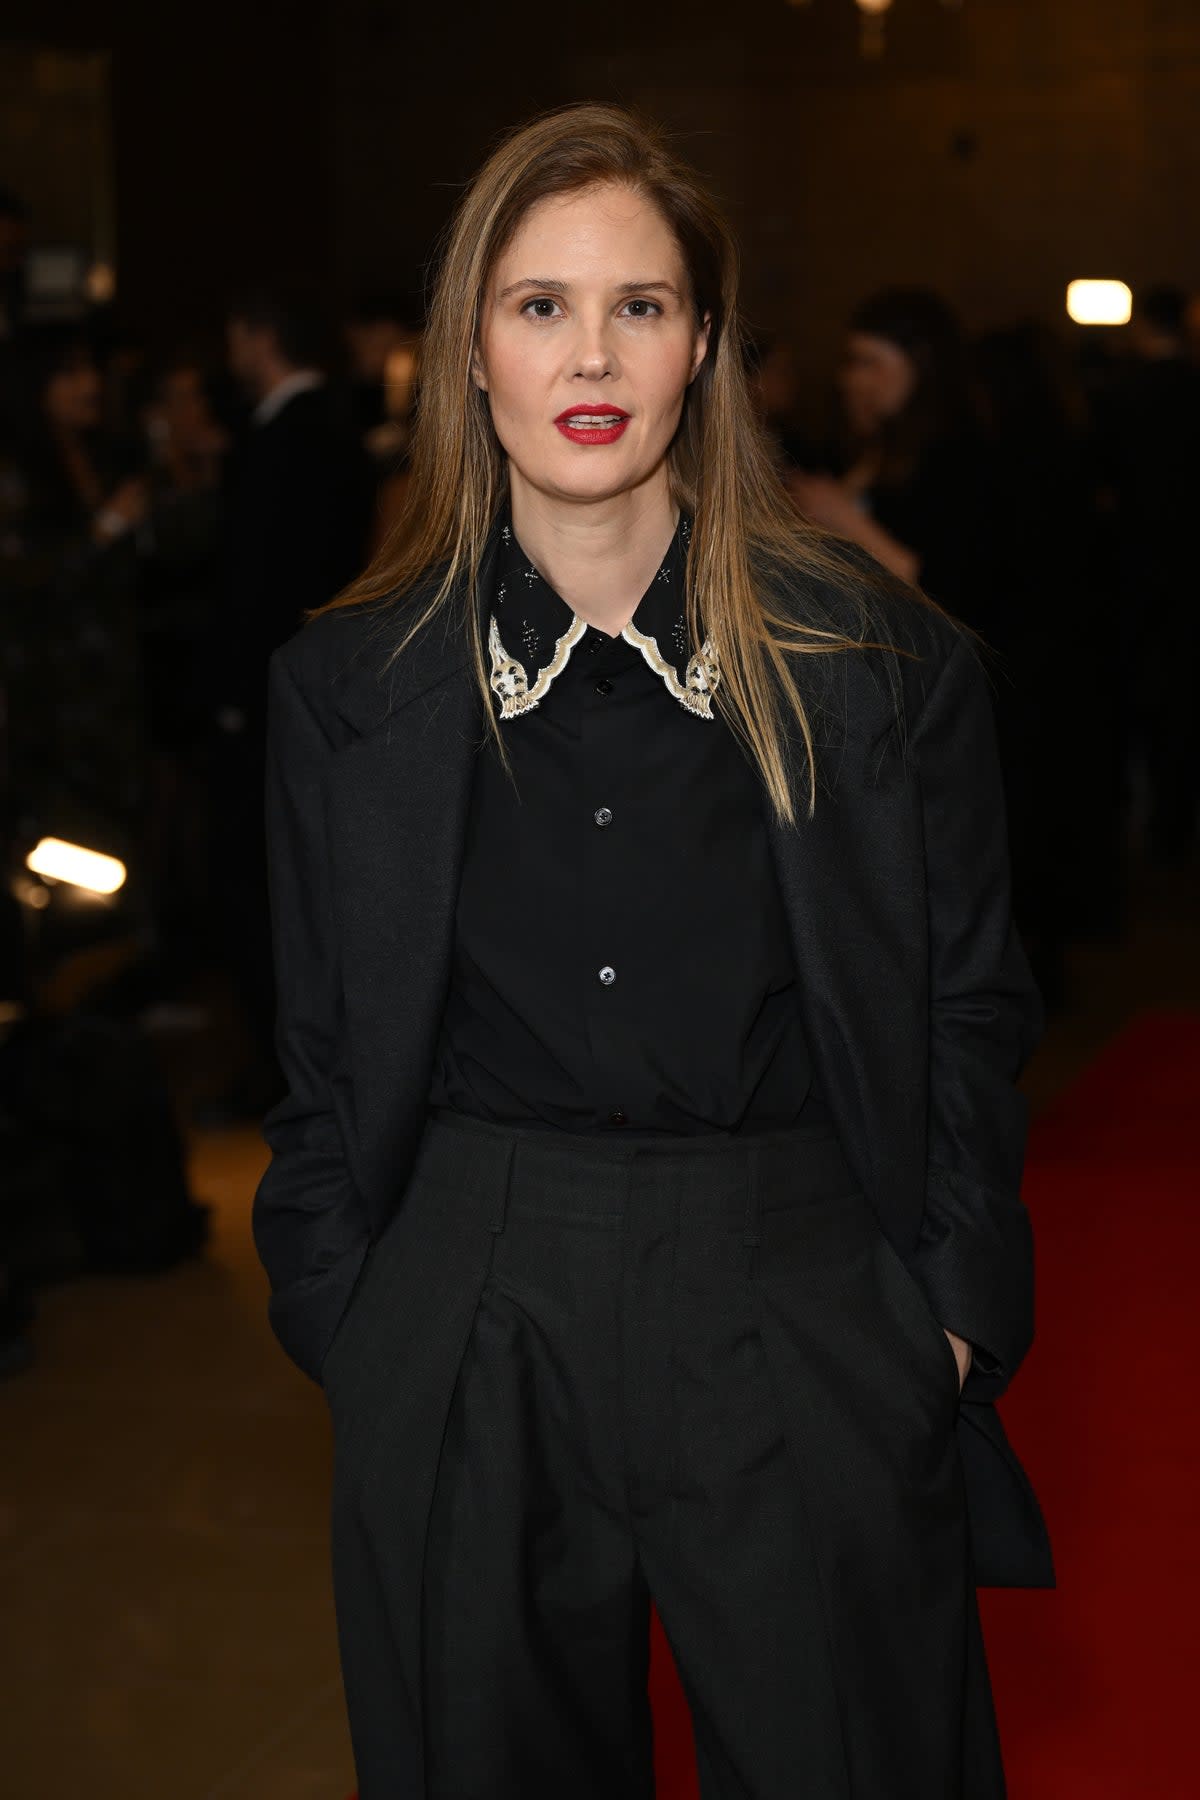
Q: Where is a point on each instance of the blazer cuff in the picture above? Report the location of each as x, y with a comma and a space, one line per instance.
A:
974, 1261
306, 1314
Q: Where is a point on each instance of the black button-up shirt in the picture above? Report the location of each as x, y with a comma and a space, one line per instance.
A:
622, 956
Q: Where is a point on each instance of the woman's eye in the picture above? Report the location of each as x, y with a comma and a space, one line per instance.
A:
540, 308
642, 309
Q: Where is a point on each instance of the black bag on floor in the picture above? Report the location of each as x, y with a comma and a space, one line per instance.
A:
89, 1148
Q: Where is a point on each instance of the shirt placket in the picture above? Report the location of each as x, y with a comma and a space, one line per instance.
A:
604, 798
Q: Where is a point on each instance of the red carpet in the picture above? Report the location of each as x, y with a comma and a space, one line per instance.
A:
1094, 1680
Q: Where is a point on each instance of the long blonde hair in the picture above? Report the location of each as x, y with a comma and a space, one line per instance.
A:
747, 536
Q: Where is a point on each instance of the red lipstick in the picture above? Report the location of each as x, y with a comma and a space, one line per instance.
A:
601, 424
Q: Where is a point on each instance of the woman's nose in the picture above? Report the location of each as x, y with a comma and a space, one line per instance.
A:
594, 354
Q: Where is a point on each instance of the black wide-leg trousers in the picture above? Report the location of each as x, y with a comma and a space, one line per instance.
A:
580, 1375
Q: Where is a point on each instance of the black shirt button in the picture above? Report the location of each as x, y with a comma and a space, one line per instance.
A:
617, 1117
604, 685
602, 815
608, 975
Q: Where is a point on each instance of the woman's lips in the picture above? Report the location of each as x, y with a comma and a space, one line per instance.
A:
593, 424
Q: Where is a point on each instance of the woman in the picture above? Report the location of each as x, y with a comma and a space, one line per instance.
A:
629, 902
910, 482
71, 505
82, 487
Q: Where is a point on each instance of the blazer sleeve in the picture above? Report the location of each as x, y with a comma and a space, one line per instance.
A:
974, 1255
310, 1223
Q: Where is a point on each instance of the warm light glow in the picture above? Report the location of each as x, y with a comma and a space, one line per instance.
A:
100, 284
88, 869
872, 22
1099, 302
399, 373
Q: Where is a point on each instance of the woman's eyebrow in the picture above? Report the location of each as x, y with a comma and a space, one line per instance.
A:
544, 284
648, 287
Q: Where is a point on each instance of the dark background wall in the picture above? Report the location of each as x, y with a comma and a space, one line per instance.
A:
997, 150
222, 145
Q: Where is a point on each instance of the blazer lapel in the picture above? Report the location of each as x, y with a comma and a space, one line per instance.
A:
398, 801
854, 910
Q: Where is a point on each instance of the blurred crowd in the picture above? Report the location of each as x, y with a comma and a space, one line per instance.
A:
165, 520
1039, 488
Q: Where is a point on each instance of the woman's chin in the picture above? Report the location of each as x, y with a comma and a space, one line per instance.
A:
585, 483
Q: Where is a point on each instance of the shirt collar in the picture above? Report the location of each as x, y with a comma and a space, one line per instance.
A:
532, 631
300, 381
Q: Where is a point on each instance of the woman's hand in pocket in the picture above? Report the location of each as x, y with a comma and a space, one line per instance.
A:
962, 1354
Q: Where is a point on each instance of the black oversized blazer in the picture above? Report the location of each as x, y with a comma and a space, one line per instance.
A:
918, 1001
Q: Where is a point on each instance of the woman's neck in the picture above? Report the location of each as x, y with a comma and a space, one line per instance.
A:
599, 555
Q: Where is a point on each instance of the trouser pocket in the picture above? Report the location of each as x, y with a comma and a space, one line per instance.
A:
828, 1264
923, 1323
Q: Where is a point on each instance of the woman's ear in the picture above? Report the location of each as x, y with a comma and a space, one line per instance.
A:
478, 373
701, 347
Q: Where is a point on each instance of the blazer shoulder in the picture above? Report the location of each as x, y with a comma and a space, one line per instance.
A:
323, 647
865, 601
900, 640
349, 666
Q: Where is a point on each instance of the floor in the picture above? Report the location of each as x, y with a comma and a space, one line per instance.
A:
168, 1627
167, 1619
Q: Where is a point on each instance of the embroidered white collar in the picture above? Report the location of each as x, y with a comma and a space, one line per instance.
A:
517, 694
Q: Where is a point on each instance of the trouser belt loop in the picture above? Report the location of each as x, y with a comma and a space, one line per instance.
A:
503, 1184
750, 1236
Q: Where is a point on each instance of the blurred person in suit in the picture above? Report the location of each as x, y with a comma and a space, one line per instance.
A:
1044, 601
298, 508
1149, 434
299, 491
905, 479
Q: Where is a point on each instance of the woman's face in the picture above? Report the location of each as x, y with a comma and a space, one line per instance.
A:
73, 395
588, 340
877, 380
182, 417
